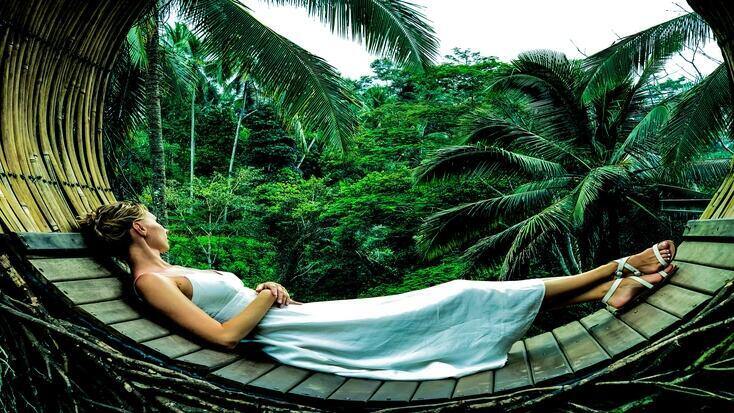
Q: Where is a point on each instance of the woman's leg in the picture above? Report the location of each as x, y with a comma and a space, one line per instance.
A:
627, 289
562, 290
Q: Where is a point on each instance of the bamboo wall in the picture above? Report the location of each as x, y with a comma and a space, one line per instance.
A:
55, 60
722, 203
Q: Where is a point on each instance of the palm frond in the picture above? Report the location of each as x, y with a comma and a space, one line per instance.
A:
479, 160
304, 84
644, 134
552, 84
524, 240
453, 227
698, 119
632, 52
589, 193
396, 29
494, 131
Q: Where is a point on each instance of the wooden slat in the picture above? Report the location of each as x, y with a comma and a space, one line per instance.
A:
648, 320
244, 370
676, 300
546, 358
580, 348
74, 268
356, 389
210, 358
516, 373
38, 242
319, 385
684, 205
434, 389
395, 391
709, 253
112, 311
700, 277
614, 336
89, 291
712, 228
473, 384
172, 346
140, 329
281, 378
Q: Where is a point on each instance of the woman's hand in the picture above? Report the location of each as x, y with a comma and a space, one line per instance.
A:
282, 297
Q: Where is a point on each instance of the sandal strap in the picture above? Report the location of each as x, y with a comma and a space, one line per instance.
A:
622, 264
611, 291
641, 281
663, 273
660, 258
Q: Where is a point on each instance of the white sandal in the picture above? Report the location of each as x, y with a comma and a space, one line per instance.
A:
614, 286
622, 264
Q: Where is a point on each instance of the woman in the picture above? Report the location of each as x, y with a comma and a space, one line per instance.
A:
448, 330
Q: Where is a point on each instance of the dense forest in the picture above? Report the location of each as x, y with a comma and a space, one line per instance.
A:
471, 168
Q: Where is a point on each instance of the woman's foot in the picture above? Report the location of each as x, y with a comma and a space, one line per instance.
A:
646, 261
629, 288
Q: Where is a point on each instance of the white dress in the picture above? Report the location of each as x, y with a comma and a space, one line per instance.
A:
451, 329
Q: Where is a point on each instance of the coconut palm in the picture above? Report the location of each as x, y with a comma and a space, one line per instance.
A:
701, 117
588, 154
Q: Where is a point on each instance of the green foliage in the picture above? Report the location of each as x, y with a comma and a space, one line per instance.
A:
334, 225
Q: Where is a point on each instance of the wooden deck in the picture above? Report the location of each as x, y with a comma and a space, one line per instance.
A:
99, 288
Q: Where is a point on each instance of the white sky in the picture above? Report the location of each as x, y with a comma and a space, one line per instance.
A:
498, 28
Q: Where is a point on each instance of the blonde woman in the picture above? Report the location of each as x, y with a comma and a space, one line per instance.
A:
448, 330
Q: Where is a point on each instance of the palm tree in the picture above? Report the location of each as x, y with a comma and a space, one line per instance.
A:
306, 87
588, 152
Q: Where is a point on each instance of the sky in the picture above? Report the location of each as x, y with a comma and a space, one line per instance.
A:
498, 28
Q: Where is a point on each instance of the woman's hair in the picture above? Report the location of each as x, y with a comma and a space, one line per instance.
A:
108, 227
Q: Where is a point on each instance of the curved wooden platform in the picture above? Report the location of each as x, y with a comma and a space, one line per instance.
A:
97, 287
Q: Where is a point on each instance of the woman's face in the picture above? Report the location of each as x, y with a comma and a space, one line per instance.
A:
155, 235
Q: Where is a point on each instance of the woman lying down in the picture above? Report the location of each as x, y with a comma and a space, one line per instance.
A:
451, 329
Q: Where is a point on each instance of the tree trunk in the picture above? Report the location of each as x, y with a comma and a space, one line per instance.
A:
234, 144
719, 15
155, 129
192, 147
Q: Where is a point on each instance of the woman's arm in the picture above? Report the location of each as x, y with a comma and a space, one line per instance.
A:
162, 293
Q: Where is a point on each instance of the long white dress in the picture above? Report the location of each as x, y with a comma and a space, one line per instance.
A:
448, 330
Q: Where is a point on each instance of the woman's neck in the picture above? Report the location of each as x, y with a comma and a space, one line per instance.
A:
144, 259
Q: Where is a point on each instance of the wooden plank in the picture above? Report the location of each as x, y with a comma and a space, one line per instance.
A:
676, 300
400, 391
90, 291
172, 346
319, 385
614, 336
281, 378
701, 278
112, 311
210, 358
694, 205
356, 389
244, 370
39, 242
516, 372
709, 253
473, 384
580, 348
648, 320
711, 228
434, 389
74, 268
546, 358
140, 329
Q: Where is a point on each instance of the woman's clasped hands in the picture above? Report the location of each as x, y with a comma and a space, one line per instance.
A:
282, 297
